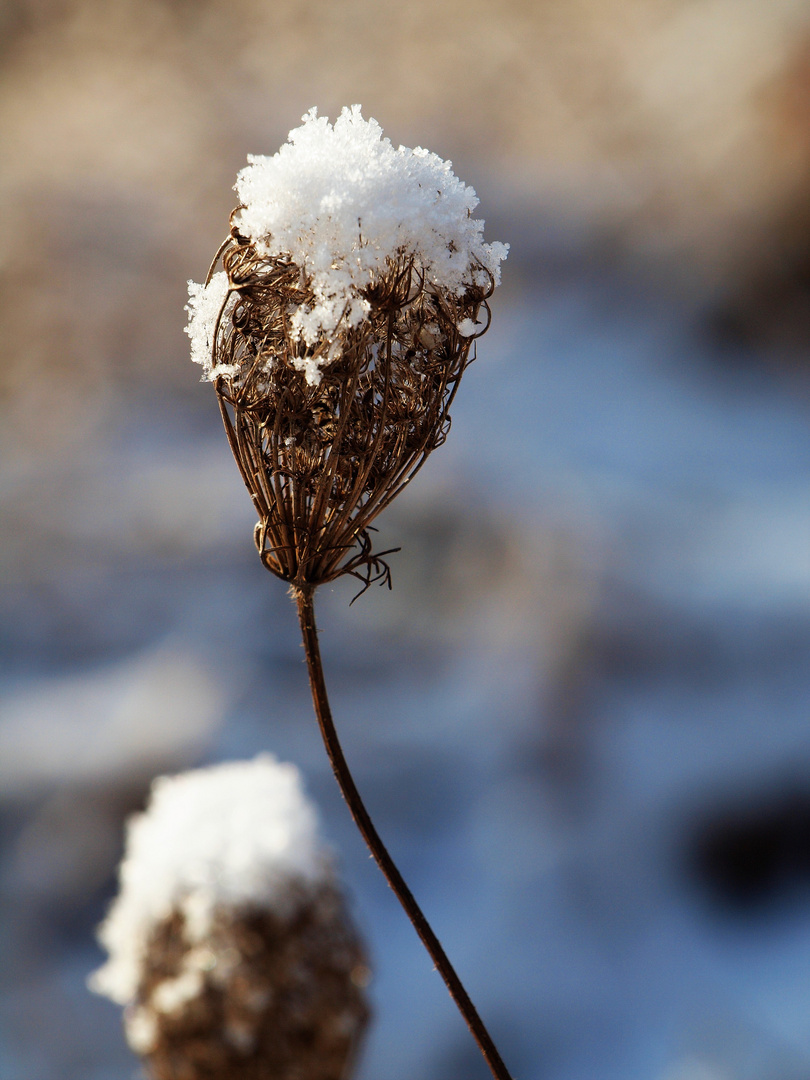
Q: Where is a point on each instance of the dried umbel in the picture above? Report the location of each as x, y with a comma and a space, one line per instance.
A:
229, 942
264, 994
322, 458
354, 282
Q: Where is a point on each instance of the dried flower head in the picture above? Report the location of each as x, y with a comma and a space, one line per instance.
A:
229, 943
355, 281
265, 994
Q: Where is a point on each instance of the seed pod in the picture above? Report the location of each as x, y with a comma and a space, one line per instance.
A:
322, 459
352, 288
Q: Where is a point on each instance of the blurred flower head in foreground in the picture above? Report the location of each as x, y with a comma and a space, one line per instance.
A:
354, 283
229, 942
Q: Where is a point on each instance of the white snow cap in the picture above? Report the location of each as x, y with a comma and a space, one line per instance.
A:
340, 201
205, 302
238, 834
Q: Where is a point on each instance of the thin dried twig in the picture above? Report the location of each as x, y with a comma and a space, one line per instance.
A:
306, 616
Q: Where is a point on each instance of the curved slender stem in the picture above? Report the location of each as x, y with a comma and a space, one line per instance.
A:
306, 616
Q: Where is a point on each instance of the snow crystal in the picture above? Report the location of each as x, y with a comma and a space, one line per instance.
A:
205, 304
236, 834
342, 203
467, 328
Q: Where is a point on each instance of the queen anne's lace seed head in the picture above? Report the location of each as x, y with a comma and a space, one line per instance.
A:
354, 283
229, 942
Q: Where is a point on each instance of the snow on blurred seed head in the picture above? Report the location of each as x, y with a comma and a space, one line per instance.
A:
228, 904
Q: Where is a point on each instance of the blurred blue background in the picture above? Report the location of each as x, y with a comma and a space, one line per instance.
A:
581, 717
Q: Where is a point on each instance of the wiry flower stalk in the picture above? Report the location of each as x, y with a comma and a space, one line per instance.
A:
354, 283
306, 615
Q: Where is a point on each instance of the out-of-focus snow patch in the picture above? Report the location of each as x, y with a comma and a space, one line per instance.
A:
757, 551
242, 833
152, 712
692, 1069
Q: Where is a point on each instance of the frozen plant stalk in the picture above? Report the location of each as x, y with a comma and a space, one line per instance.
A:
229, 943
354, 283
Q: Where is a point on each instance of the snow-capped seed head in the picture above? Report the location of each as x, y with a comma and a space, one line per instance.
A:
243, 833
230, 943
265, 995
343, 203
354, 283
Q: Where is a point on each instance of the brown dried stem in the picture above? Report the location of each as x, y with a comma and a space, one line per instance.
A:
306, 616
